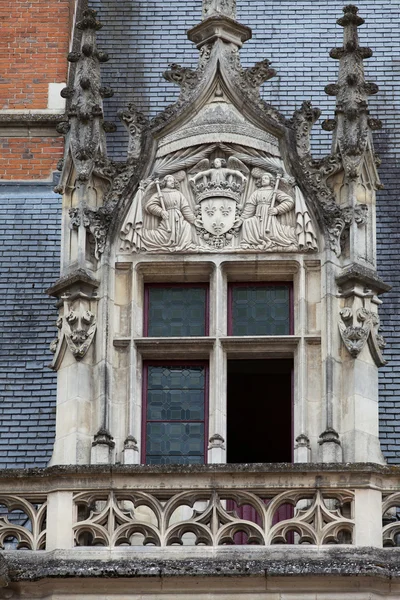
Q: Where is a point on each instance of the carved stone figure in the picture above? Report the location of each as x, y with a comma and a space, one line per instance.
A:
175, 217
261, 227
218, 175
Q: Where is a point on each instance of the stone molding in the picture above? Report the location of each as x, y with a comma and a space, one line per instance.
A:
30, 124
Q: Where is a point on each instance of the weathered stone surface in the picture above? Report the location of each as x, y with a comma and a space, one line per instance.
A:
334, 562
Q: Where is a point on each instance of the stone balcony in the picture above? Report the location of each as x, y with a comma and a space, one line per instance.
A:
142, 520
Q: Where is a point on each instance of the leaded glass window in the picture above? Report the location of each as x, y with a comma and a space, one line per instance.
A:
175, 401
260, 309
176, 310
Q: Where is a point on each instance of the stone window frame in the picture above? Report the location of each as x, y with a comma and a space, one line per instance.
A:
218, 347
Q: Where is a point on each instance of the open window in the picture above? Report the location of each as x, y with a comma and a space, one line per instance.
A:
259, 411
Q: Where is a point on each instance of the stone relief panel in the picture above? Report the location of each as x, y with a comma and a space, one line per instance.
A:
218, 197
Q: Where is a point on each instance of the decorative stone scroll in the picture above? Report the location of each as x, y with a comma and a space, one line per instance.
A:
240, 200
202, 518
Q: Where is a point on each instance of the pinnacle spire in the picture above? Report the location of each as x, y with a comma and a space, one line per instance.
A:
86, 125
352, 122
225, 8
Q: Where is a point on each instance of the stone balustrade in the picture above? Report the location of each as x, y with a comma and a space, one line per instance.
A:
211, 505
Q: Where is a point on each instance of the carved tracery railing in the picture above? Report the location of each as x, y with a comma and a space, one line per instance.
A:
22, 523
136, 518
391, 519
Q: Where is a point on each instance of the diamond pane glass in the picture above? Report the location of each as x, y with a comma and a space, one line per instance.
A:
175, 414
261, 310
176, 311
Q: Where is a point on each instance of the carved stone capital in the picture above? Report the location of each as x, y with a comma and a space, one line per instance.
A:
102, 447
103, 437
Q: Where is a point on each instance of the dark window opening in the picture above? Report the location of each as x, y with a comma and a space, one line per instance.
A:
260, 309
259, 411
176, 310
175, 413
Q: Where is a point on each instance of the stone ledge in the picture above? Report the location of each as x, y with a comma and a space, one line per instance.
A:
118, 469
30, 124
75, 278
278, 561
362, 275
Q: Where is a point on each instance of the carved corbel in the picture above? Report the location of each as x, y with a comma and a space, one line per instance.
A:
79, 326
77, 322
56, 346
356, 336
359, 321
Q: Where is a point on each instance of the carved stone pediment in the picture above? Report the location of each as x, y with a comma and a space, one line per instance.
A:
219, 121
219, 180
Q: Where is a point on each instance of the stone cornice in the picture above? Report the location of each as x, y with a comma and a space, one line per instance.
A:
76, 278
262, 468
30, 124
364, 276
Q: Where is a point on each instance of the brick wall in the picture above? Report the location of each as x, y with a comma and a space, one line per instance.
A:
33, 45
29, 158
34, 42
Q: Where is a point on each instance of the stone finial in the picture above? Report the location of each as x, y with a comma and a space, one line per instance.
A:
86, 126
226, 8
352, 123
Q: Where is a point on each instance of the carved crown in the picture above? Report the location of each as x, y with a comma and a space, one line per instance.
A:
218, 182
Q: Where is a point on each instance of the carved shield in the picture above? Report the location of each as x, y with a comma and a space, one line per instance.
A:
218, 214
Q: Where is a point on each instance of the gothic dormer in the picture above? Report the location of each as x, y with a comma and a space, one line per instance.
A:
220, 301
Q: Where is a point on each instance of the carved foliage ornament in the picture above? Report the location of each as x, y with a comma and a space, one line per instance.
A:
356, 330
219, 7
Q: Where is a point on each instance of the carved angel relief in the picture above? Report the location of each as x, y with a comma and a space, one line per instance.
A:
242, 201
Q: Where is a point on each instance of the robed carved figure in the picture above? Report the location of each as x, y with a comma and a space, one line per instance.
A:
162, 218
261, 224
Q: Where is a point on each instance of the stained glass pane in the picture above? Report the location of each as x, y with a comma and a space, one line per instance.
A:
175, 439
261, 310
175, 414
176, 311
